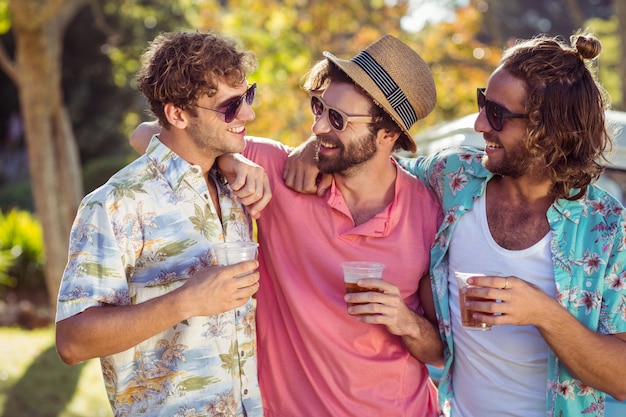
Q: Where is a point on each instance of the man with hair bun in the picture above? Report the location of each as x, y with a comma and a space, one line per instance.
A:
527, 207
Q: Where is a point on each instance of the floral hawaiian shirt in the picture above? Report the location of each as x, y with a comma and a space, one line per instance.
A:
588, 245
141, 235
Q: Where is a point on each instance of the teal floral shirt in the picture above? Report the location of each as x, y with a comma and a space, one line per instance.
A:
142, 235
588, 245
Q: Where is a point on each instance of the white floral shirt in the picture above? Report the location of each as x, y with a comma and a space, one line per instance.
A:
139, 236
588, 246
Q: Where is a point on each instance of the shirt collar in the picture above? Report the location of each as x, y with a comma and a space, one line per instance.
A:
169, 164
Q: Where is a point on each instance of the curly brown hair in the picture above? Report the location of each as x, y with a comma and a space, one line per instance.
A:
566, 107
324, 71
181, 67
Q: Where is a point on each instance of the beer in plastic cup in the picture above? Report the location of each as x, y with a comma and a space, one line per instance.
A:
353, 271
468, 322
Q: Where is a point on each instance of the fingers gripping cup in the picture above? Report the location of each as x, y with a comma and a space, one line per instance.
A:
354, 271
230, 253
468, 322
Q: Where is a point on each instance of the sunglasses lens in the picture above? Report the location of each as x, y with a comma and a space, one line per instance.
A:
250, 94
480, 98
233, 107
494, 115
231, 110
335, 119
316, 106
493, 111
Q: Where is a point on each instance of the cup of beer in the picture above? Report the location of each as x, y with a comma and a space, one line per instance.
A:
468, 322
353, 271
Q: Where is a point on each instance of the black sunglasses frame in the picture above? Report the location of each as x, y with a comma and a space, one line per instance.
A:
232, 108
495, 112
337, 119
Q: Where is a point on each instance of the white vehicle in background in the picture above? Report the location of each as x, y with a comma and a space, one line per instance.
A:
613, 179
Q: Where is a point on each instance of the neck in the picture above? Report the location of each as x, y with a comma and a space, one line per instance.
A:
184, 147
516, 212
368, 190
524, 190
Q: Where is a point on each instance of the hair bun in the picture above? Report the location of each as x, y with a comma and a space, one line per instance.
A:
588, 46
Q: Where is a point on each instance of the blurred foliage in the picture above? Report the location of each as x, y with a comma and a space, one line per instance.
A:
17, 195
610, 59
98, 171
21, 239
459, 62
505, 20
6, 262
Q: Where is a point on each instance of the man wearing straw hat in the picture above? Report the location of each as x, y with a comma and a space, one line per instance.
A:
318, 357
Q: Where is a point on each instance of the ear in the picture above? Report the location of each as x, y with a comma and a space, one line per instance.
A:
177, 117
387, 138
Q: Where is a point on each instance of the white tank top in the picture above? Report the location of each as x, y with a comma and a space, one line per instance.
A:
501, 372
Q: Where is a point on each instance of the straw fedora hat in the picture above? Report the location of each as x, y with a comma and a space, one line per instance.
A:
397, 79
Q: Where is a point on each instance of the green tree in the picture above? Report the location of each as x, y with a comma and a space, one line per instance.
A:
38, 27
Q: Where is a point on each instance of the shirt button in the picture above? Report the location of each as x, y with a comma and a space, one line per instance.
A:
242, 353
245, 392
588, 284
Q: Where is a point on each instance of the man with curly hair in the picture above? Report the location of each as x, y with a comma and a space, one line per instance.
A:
175, 334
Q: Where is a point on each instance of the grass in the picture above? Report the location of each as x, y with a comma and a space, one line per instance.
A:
34, 382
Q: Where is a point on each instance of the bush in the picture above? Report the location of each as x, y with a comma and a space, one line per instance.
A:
17, 195
21, 251
6, 261
98, 171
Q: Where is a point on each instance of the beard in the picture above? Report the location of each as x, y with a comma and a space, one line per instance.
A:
205, 139
514, 163
349, 156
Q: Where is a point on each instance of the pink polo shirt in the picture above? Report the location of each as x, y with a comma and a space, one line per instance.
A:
314, 358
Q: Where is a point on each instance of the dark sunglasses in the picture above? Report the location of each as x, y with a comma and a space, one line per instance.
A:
232, 108
338, 120
495, 112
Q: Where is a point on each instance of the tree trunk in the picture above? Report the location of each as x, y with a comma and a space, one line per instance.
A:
38, 28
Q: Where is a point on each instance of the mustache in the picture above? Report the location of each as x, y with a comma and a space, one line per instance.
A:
491, 137
328, 138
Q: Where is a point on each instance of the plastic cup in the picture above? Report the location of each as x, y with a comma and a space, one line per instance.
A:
468, 322
230, 253
353, 271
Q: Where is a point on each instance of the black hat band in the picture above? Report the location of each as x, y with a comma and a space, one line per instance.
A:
388, 86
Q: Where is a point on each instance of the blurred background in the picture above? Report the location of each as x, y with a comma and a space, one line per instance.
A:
69, 102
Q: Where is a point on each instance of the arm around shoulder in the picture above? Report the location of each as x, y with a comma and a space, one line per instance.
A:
140, 138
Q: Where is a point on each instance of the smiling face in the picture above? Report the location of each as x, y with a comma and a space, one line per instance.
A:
505, 151
209, 131
338, 151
